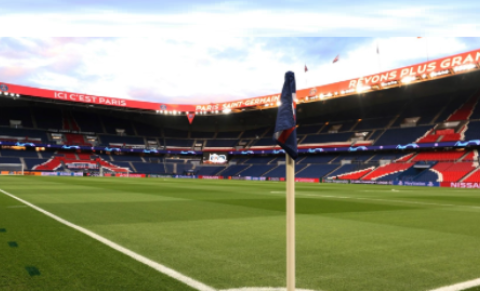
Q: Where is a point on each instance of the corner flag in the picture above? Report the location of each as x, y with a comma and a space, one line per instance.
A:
285, 133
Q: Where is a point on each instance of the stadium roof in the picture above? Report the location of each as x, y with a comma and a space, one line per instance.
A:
422, 72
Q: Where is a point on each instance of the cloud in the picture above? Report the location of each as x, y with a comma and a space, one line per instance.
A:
241, 18
206, 69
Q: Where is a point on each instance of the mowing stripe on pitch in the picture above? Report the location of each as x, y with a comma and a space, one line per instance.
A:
159, 267
460, 286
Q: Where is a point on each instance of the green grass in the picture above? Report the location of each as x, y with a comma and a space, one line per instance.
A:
231, 234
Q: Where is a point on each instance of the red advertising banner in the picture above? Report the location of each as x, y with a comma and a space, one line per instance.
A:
423, 71
211, 177
131, 175
462, 185
308, 180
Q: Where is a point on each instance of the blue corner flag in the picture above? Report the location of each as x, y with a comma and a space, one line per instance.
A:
285, 133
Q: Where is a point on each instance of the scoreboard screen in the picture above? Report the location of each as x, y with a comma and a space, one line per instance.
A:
215, 158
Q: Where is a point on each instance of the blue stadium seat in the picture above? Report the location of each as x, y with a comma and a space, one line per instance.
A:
225, 143
233, 170
402, 136
327, 138
316, 171
256, 170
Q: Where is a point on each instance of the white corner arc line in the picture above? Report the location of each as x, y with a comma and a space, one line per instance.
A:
460, 286
144, 260
263, 289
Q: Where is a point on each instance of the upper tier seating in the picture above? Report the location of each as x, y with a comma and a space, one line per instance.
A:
228, 134
88, 122
254, 133
308, 129
455, 103
112, 123
197, 134
464, 112
180, 143
221, 143
147, 130
15, 113
175, 133
320, 159
376, 123
327, 138
108, 140
473, 130
265, 142
48, 118
75, 139
346, 126
357, 156
388, 156
22, 134
401, 136
261, 160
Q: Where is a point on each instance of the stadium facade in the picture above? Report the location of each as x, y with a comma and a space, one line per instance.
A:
417, 125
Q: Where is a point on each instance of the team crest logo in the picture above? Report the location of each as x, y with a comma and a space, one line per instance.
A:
3, 87
313, 91
190, 115
163, 107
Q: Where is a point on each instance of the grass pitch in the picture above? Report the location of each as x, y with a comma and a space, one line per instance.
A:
231, 234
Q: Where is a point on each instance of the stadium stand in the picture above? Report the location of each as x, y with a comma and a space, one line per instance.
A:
316, 171
221, 143
208, 170
452, 172
401, 136
327, 138
355, 175
351, 170
388, 169
439, 156
320, 159
256, 170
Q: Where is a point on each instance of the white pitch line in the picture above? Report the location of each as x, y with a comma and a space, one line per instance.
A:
460, 286
159, 267
263, 289
302, 193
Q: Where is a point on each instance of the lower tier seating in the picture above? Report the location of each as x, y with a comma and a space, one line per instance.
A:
387, 170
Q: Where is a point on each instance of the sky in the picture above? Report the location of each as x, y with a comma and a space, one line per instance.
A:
205, 51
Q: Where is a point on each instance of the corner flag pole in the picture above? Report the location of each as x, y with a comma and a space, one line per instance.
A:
290, 168
285, 135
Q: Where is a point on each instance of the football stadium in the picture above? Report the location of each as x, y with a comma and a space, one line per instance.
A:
103, 193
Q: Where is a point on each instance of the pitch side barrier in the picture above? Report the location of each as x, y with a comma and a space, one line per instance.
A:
394, 183
251, 178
